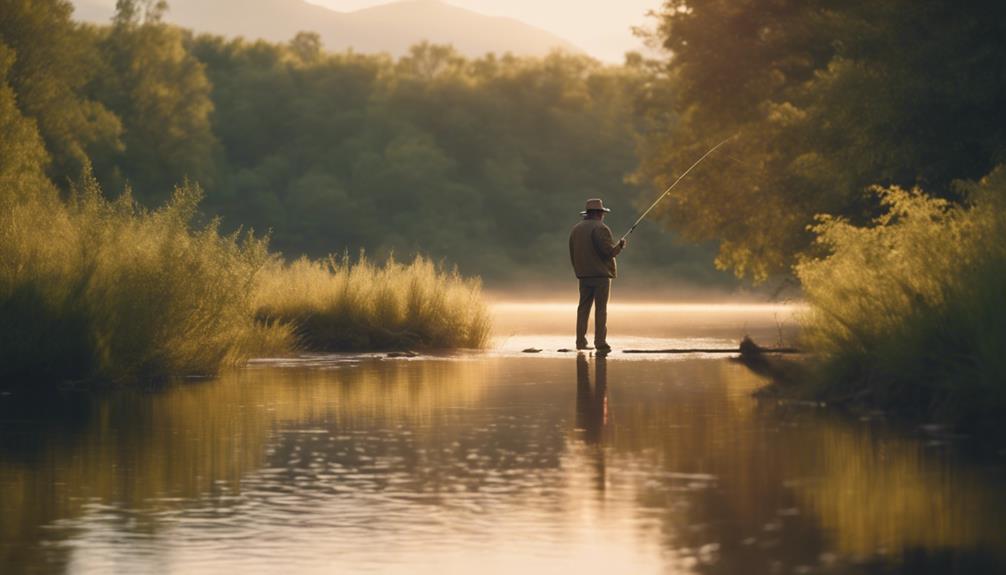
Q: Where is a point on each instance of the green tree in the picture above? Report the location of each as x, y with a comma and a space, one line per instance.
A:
306, 46
133, 12
432, 153
23, 158
52, 62
826, 98
163, 97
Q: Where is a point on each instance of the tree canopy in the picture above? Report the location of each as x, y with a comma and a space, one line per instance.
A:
483, 163
50, 62
826, 97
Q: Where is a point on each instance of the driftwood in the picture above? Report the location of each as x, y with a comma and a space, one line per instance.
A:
747, 348
776, 350
683, 350
398, 354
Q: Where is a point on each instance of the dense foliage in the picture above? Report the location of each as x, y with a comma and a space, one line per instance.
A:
908, 312
837, 107
827, 98
483, 163
100, 290
47, 61
93, 288
161, 95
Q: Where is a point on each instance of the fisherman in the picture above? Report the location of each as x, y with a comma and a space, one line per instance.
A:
592, 251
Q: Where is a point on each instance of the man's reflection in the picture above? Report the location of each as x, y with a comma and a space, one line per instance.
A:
592, 413
591, 404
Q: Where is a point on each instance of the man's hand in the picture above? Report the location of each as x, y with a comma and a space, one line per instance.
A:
622, 243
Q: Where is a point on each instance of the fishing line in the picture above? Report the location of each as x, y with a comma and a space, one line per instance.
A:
676, 182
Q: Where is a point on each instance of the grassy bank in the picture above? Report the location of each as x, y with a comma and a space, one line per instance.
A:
908, 314
92, 289
336, 304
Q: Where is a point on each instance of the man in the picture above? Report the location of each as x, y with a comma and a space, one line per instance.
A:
592, 251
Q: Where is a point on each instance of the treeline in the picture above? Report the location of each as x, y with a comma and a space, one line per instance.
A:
482, 163
885, 116
825, 98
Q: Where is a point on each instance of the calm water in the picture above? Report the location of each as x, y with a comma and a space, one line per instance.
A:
496, 462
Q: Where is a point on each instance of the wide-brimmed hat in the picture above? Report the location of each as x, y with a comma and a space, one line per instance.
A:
594, 205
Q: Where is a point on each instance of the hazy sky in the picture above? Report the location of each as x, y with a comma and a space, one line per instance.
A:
601, 27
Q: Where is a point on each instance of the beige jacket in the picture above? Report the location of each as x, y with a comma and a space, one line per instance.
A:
592, 250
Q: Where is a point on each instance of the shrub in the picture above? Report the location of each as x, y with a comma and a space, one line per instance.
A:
92, 289
341, 305
910, 310
108, 290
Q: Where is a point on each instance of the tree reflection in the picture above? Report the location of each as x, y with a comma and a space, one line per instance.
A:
427, 450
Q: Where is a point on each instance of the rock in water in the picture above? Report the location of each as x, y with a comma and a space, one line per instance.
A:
397, 354
532, 350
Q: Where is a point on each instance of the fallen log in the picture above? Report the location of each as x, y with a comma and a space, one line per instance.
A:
746, 348
776, 350
682, 350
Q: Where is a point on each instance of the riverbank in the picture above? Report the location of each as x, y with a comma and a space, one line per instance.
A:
105, 291
341, 305
907, 315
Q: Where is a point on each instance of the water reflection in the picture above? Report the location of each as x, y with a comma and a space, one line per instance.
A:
592, 413
489, 465
591, 400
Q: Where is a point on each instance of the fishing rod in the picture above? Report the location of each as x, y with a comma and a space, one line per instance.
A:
676, 182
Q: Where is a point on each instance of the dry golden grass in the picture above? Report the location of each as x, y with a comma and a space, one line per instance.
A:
343, 305
92, 289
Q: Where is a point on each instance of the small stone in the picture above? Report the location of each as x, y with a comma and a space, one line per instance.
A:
532, 350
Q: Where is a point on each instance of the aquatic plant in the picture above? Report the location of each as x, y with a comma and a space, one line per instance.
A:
344, 305
101, 289
909, 312
93, 289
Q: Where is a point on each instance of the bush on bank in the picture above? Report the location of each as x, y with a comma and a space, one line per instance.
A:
909, 313
92, 289
336, 304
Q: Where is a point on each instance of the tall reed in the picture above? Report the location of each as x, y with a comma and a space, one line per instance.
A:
909, 312
103, 289
106, 290
341, 305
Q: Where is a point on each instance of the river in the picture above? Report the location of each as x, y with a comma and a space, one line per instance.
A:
494, 462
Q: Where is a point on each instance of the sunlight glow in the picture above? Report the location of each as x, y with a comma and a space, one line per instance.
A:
653, 307
602, 29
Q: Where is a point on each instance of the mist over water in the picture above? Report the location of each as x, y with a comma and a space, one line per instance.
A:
550, 326
492, 462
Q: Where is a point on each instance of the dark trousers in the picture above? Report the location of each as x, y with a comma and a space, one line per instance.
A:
593, 292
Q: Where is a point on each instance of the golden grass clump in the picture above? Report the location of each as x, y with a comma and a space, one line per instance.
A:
92, 289
341, 305
909, 312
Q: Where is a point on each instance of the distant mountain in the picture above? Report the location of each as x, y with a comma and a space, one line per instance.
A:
391, 28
